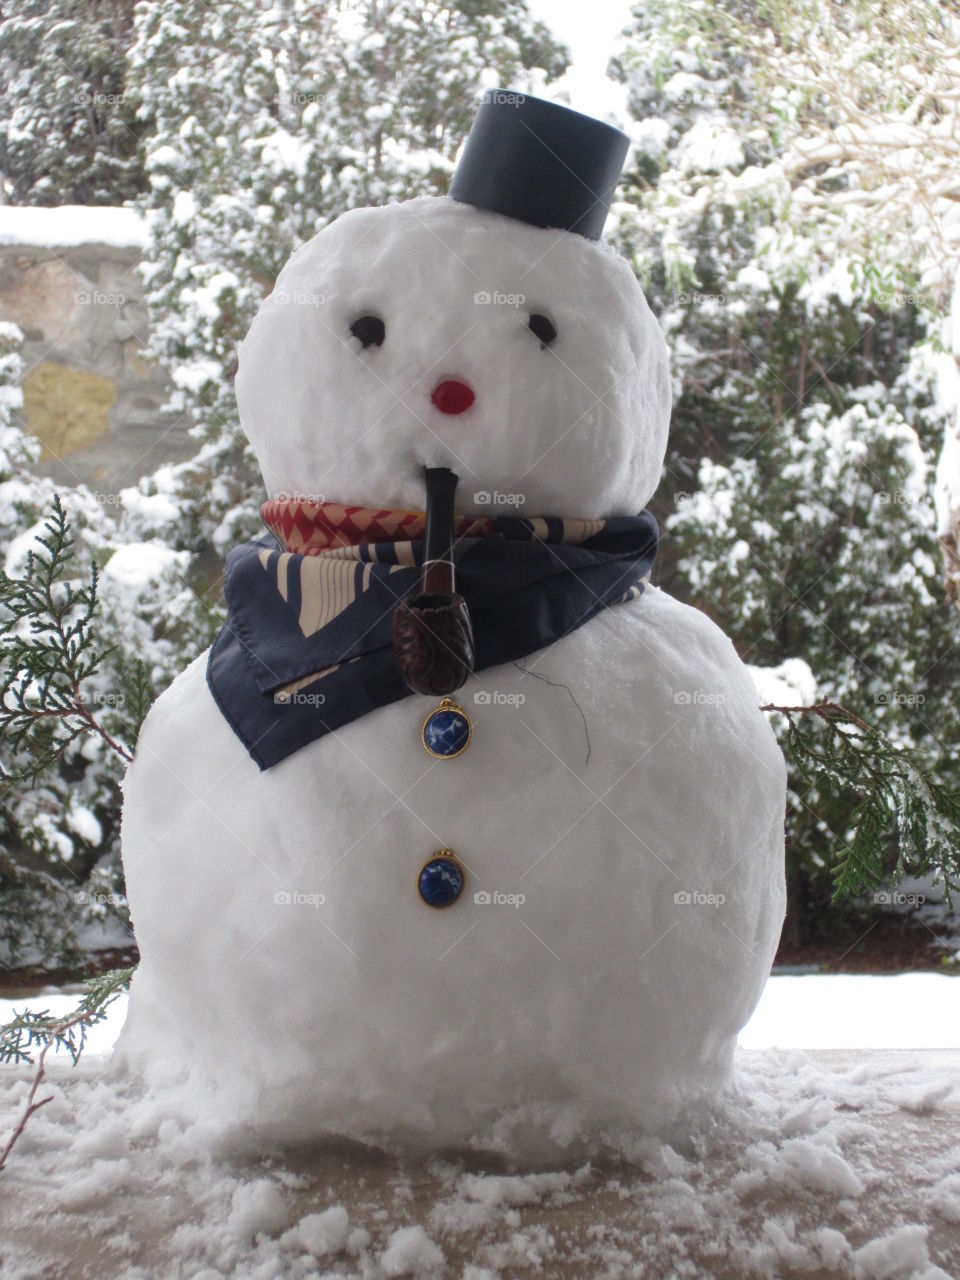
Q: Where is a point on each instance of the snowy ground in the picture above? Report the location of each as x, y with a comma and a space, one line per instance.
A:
833, 1160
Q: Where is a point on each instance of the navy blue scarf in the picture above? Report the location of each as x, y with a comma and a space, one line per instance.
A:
307, 645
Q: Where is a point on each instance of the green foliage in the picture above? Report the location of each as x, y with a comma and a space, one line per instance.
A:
895, 802
47, 654
59, 685
31, 1030
78, 668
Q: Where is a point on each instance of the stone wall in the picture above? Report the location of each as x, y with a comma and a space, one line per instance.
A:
89, 395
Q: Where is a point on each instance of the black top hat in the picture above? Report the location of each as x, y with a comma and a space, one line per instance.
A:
541, 163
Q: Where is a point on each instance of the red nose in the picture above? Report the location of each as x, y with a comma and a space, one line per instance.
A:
452, 396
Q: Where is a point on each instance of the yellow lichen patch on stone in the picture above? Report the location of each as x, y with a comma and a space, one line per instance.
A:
66, 409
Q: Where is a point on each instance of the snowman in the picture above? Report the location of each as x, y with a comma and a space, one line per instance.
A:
461, 829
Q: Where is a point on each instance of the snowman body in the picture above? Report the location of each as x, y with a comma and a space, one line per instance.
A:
618, 811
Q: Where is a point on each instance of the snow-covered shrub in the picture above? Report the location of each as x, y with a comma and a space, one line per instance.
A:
60, 882
802, 305
68, 133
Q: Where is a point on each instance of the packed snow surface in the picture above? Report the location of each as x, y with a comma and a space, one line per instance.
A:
813, 1165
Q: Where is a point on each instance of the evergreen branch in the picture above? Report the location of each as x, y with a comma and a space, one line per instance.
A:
48, 651
29, 1030
896, 799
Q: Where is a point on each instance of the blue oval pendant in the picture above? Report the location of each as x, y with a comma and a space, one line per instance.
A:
446, 731
440, 880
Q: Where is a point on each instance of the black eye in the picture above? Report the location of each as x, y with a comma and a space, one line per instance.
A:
542, 328
370, 330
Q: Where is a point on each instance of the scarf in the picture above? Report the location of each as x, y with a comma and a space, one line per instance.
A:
307, 644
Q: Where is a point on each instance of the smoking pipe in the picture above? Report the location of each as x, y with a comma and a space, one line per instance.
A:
432, 635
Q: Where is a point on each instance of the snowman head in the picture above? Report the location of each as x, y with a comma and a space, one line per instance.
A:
502, 341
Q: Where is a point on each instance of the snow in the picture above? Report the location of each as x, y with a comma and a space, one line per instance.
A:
814, 1012
136, 564
184, 209
256, 1208
650, 868
946, 1198
790, 684
709, 146
152, 508
618, 1016
20, 547
324, 1233
595, 405
72, 224
826, 1163
903, 1252
410, 1252
752, 277
810, 1165
85, 824
857, 1011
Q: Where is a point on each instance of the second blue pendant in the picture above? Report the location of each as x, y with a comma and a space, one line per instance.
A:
440, 879
446, 731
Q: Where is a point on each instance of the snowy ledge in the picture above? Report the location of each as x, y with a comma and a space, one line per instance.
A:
72, 224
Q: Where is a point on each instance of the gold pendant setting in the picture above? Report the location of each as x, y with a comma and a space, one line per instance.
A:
447, 731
